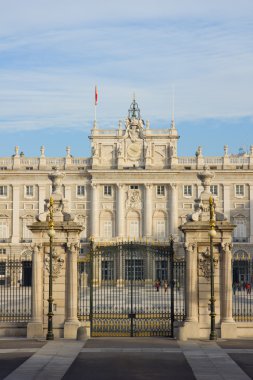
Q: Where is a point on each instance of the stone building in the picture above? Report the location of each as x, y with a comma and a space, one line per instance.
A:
134, 185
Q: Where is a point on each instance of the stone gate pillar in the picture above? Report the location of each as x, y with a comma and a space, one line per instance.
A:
191, 295
65, 251
71, 323
35, 326
228, 325
198, 269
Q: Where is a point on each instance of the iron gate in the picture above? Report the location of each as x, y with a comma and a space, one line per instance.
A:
136, 289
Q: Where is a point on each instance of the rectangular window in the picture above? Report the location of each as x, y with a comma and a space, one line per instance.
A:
134, 229
134, 269
134, 187
161, 267
188, 190
160, 190
214, 189
29, 191
2, 269
80, 191
2, 251
239, 190
107, 270
108, 229
240, 230
160, 229
108, 190
3, 191
4, 230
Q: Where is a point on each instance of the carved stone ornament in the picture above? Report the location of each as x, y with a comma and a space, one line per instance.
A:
26, 254
58, 262
190, 247
134, 129
73, 247
205, 263
56, 177
227, 247
133, 199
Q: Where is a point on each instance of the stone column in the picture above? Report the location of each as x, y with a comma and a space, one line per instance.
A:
35, 326
15, 215
71, 323
120, 211
191, 325
228, 326
148, 211
174, 209
42, 196
226, 201
251, 212
191, 283
95, 210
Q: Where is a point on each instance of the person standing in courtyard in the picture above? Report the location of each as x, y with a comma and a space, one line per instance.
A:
165, 286
157, 284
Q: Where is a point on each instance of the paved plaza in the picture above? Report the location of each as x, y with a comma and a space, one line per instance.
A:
125, 359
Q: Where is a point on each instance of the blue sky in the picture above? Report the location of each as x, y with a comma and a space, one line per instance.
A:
52, 53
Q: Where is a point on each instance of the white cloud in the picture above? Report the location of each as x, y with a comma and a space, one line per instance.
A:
54, 52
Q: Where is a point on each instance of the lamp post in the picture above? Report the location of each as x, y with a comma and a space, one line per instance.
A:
51, 234
212, 234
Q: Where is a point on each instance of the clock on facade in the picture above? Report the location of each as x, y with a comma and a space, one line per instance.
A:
134, 150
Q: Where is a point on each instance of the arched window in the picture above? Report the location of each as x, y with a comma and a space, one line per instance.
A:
159, 225
133, 221
106, 224
4, 227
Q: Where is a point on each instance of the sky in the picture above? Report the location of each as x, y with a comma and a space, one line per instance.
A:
54, 52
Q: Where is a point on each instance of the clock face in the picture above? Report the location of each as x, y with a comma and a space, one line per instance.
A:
134, 150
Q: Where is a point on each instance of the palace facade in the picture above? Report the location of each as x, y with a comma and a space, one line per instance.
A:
134, 186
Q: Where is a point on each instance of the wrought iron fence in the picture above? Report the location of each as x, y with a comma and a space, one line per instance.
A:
15, 289
242, 289
83, 271
131, 289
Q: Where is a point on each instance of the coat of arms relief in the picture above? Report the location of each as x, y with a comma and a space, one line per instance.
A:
134, 199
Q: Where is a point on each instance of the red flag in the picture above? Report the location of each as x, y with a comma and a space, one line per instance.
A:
96, 95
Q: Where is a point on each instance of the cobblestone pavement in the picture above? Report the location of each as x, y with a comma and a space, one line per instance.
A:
126, 358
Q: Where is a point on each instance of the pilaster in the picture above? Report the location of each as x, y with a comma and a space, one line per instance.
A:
173, 209
95, 210
120, 213
226, 200
42, 196
15, 214
148, 211
251, 212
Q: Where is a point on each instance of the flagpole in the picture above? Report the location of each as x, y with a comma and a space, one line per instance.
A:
95, 108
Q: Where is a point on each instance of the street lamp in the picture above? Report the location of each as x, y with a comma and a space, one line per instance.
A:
51, 234
212, 234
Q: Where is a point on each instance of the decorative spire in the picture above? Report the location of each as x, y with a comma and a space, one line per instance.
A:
134, 111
